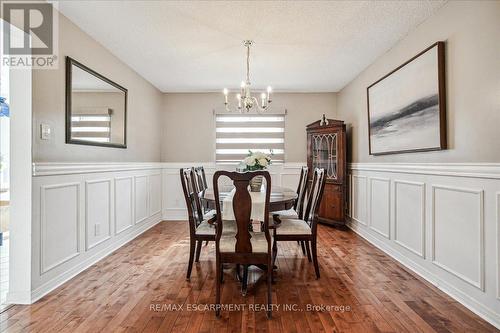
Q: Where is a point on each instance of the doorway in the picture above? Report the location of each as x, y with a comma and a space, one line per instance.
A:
4, 182
15, 180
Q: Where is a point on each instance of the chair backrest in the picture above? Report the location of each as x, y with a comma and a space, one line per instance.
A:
242, 207
191, 197
201, 179
301, 192
314, 200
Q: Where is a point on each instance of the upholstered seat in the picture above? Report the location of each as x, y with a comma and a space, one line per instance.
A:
286, 214
206, 228
258, 241
293, 227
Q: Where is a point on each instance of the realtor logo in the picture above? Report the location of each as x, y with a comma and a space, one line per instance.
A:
29, 34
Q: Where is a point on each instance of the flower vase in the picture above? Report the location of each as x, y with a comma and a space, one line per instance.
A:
256, 183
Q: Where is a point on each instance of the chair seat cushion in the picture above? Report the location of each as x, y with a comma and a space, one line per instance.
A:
293, 227
258, 240
286, 214
205, 228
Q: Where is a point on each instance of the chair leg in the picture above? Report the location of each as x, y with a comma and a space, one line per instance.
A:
275, 252
244, 281
315, 257
192, 244
198, 250
302, 245
269, 283
218, 279
206, 243
308, 250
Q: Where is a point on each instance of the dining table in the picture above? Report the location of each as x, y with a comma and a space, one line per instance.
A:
282, 198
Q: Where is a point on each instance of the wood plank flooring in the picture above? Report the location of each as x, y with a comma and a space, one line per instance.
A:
141, 287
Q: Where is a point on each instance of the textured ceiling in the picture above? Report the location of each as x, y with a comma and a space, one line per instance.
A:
184, 46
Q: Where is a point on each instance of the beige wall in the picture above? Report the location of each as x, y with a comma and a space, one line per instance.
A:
188, 125
143, 113
471, 31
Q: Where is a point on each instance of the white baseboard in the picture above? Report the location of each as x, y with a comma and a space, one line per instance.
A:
18, 297
471, 304
116, 244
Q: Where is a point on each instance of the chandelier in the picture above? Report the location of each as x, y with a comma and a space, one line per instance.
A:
245, 99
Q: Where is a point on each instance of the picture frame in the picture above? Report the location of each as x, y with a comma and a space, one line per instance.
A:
71, 66
407, 106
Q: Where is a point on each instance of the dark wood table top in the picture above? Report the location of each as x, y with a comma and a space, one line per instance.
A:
282, 198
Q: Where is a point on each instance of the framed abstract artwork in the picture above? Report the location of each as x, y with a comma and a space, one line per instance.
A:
407, 107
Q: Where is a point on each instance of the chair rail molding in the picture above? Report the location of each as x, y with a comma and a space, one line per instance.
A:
444, 224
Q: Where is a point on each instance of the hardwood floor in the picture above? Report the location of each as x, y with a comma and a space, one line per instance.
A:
131, 290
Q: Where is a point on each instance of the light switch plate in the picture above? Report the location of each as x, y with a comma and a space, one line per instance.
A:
45, 131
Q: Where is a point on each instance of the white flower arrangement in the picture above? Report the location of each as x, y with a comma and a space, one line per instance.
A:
256, 160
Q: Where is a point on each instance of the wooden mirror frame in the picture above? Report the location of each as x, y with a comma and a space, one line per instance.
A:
69, 63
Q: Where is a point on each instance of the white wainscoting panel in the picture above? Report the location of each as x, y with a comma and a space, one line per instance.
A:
60, 216
97, 212
124, 207
359, 194
445, 224
409, 216
141, 198
70, 200
155, 194
457, 232
497, 205
380, 209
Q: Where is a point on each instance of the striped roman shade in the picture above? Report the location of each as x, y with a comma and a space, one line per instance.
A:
237, 134
91, 127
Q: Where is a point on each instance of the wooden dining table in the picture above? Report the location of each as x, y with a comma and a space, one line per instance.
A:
282, 198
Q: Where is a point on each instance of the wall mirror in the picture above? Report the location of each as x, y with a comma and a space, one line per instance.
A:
96, 108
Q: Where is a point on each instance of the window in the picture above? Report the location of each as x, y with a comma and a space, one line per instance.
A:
237, 134
91, 127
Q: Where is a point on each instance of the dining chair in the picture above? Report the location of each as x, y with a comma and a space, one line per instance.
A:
200, 228
305, 229
297, 211
243, 246
201, 179
298, 207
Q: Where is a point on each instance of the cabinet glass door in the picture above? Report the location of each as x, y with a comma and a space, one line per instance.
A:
324, 154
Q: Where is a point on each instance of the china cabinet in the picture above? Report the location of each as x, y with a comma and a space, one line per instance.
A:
326, 148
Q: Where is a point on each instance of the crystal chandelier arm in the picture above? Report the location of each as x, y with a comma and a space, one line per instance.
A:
258, 108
